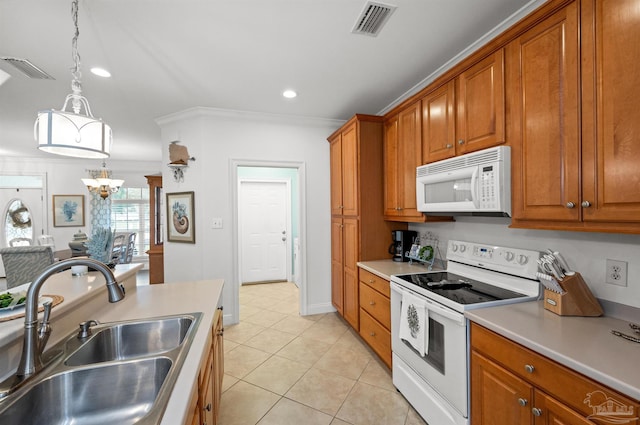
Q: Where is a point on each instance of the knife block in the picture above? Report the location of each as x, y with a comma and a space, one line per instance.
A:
577, 299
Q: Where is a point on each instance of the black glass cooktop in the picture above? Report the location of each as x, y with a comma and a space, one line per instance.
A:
458, 288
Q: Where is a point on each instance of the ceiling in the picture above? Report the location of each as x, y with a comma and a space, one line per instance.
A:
169, 55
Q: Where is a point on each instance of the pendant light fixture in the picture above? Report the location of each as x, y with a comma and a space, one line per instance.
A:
102, 183
71, 133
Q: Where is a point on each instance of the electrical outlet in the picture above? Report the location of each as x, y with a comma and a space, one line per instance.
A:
216, 223
617, 272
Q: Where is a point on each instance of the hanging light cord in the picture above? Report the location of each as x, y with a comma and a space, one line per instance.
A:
76, 85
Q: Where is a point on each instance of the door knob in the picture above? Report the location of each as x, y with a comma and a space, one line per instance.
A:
284, 239
284, 232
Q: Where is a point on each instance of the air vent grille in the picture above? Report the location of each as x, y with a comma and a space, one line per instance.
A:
372, 19
468, 160
27, 68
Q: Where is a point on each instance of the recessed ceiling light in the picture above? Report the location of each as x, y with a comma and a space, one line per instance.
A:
289, 94
101, 72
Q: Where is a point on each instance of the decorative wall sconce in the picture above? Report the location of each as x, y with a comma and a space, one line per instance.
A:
179, 157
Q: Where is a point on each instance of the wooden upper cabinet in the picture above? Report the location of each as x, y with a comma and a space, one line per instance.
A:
402, 154
335, 154
480, 116
344, 172
611, 116
466, 114
438, 124
544, 122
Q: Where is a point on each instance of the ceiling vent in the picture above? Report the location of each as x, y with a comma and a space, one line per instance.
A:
372, 19
27, 68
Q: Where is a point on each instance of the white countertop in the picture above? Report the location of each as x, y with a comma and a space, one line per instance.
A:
584, 344
74, 289
386, 268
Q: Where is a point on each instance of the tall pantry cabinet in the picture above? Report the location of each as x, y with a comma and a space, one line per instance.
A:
358, 229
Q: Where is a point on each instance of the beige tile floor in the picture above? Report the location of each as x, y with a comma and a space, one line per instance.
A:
285, 369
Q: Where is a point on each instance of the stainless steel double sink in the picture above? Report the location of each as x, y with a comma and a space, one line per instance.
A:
122, 374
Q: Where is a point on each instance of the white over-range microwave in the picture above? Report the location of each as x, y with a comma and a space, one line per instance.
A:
478, 183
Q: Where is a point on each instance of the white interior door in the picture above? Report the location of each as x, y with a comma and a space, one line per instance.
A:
264, 231
33, 199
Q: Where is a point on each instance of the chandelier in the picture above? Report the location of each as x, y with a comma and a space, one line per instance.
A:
101, 182
71, 133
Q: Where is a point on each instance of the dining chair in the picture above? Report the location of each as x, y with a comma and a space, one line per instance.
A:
23, 264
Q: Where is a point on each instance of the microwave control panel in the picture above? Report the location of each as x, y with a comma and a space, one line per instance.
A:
489, 187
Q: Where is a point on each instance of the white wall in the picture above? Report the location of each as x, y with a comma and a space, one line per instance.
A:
584, 251
63, 178
216, 138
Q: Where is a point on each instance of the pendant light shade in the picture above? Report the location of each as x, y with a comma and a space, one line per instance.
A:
70, 133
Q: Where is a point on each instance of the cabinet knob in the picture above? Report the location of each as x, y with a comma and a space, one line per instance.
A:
372, 334
586, 204
208, 407
522, 402
372, 303
536, 411
461, 142
449, 145
570, 205
529, 368
371, 280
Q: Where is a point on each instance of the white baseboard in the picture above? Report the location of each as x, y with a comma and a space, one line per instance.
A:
320, 308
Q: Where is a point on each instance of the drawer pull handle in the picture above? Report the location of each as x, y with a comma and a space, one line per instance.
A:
372, 303
536, 411
372, 334
529, 368
522, 402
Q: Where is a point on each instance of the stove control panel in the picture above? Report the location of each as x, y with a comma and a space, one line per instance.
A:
516, 261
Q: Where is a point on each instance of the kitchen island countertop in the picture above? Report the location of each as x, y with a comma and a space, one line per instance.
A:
584, 344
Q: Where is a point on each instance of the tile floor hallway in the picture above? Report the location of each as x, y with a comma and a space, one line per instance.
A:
285, 369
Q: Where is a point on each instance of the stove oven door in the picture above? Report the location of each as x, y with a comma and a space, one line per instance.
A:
444, 369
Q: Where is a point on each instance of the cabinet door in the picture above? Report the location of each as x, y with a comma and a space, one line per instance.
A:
497, 396
390, 154
480, 105
438, 124
337, 272
350, 171
548, 411
335, 154
218, 363
544, 97
409, 157
611, 116
351, 250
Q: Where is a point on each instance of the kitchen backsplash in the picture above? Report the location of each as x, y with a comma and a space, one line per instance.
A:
585, 252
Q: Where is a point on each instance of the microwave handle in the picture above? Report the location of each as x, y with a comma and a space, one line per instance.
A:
474, 191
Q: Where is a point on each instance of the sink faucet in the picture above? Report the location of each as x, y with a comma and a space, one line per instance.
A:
34, 341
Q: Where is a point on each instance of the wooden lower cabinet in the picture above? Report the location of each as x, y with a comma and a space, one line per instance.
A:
513, 385
205, 399
375, 314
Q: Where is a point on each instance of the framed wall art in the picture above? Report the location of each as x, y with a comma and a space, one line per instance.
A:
68, 210
181, 222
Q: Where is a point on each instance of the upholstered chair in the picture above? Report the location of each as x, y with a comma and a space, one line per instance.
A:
23, 264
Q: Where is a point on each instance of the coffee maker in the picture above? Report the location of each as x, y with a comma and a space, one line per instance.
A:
402, 241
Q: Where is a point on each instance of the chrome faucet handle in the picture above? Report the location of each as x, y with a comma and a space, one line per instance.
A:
85, 328
44, 330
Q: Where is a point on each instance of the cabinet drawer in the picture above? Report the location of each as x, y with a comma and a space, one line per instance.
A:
376, 282
376, 304
378, 338
563, 383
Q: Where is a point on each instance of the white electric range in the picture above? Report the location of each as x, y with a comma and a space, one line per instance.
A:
434, 377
